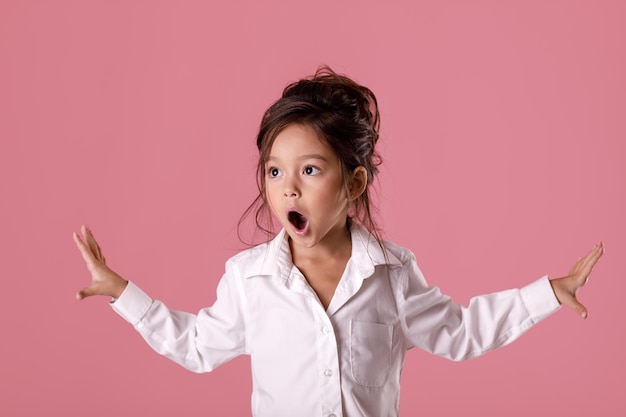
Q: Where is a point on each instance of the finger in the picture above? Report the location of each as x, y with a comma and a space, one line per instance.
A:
91, 242
95, 246
588, 258
589, 261
595, 255
85, 239
84, 250
586, 263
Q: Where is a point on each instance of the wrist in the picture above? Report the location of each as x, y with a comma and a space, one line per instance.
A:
558, 289
119, 288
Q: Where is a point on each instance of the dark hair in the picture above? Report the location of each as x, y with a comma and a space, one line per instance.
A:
341, 112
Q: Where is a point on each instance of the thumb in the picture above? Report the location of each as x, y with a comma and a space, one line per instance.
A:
575, 305
85, 292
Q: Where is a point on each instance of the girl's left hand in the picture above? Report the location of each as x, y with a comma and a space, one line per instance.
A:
566, 288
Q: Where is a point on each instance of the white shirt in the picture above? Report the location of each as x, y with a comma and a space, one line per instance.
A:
342, 361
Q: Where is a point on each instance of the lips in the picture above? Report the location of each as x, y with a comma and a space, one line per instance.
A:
298, 221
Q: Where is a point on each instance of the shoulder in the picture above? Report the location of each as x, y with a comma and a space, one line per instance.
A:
248, 256
405, 261
262, 259
401, 253
366, 248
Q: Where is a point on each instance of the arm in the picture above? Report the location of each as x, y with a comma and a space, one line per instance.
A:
433, 322
199, 342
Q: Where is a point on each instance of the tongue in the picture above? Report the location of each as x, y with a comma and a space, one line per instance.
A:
297, 219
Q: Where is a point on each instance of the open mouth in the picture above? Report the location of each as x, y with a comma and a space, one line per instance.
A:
298, 221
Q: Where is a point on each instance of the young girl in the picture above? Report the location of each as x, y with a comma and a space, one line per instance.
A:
326, 309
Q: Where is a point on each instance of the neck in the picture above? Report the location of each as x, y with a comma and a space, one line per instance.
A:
337, 244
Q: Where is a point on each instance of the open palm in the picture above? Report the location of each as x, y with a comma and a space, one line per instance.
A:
566, 288
104, 281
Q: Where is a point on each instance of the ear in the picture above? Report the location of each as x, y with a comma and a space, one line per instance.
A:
358, 183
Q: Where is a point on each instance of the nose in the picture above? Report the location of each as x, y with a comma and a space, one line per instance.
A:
291, 190
291, 193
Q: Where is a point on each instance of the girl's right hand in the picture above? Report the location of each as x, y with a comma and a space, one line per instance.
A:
103, 280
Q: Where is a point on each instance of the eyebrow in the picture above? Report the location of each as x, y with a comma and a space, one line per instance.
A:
303, 157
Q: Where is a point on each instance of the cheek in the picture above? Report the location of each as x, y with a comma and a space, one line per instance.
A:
270, 197
334, 195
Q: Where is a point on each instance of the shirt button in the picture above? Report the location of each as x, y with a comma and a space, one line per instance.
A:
328, 372
325, 330
332, 415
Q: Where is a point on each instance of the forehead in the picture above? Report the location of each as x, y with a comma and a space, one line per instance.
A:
297, 141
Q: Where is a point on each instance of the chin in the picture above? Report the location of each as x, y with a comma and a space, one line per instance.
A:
306, 241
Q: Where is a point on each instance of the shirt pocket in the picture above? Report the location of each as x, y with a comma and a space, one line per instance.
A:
370, 352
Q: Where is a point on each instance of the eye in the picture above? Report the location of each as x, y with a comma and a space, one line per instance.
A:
273, 172
311, 170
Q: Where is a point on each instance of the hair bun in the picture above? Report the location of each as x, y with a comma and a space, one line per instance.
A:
340, 94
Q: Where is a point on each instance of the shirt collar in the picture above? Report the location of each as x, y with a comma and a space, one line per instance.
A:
274, 257
367, 253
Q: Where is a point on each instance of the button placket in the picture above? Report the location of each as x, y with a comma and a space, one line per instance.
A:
327, 361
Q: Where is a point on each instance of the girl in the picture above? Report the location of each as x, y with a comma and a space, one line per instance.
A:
326, 309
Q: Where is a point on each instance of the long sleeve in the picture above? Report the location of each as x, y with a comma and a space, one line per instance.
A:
199, 342
433, 322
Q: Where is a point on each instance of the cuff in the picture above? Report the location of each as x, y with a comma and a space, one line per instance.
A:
539, 299
133, 304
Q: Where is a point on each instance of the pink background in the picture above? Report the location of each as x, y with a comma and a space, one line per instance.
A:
503, 133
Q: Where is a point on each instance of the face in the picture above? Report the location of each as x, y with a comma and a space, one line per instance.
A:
305, 188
